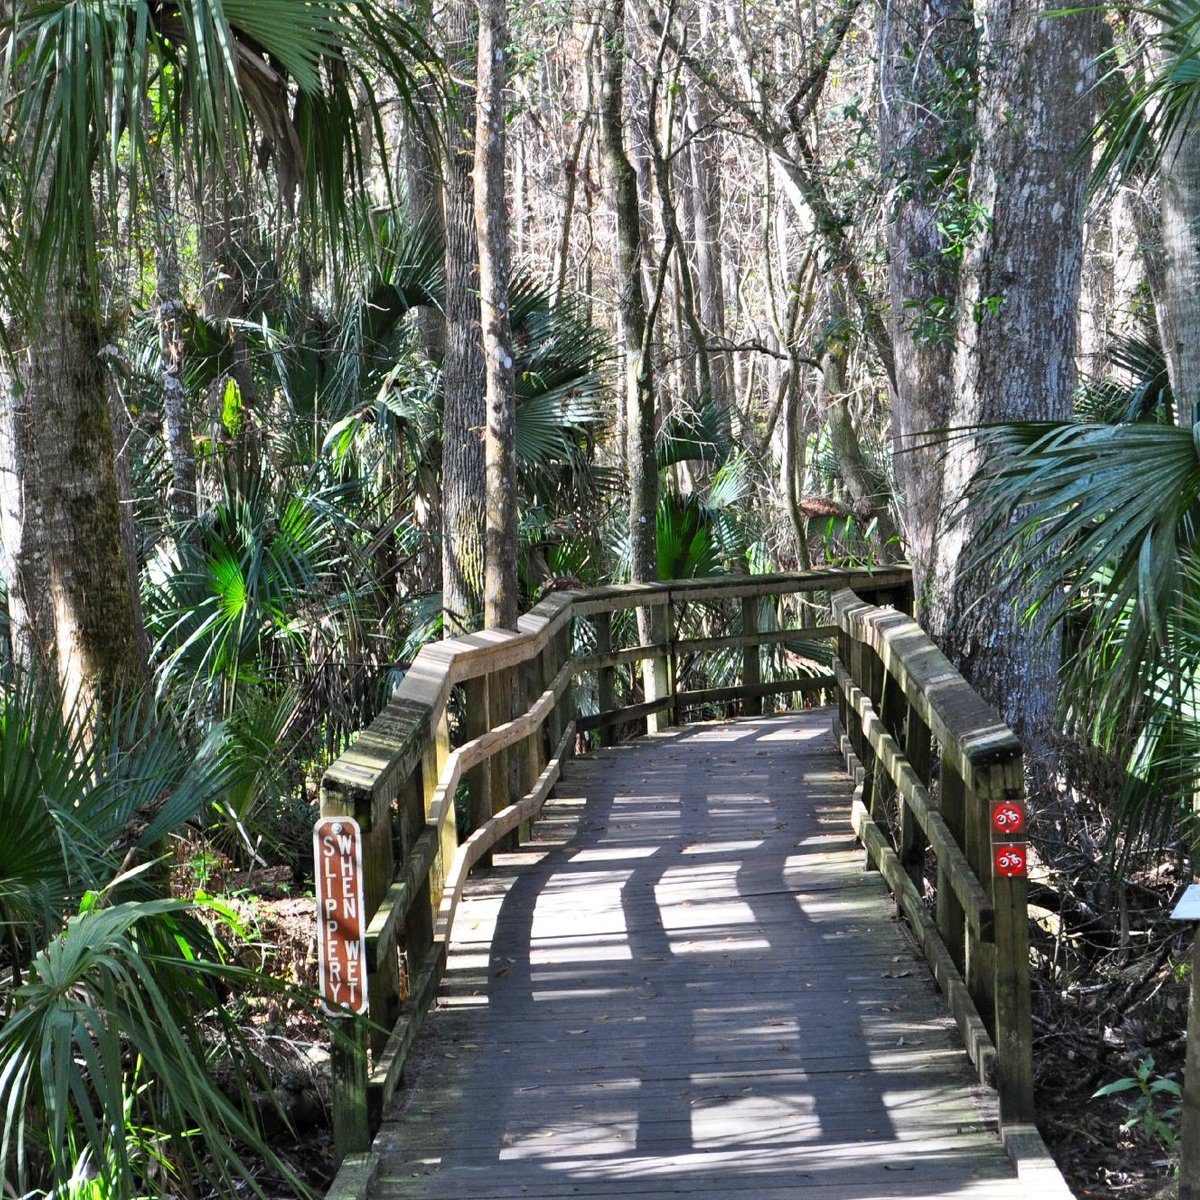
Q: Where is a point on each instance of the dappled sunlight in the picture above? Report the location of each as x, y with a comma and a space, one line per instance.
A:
701, 991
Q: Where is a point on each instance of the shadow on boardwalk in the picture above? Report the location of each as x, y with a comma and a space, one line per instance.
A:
693, 989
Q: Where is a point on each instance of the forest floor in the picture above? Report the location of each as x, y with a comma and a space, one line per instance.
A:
1110, 995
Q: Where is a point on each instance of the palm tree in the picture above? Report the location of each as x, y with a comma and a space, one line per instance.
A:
86, 92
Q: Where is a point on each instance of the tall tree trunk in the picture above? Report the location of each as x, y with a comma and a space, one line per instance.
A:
1016, 329
71, 610
500, 592
639, 399
1179, 316
925, 115
177, 421
703, 160
465, 418
868, 493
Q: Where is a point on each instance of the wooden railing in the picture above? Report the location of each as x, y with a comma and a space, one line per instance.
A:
937, 769
517, 702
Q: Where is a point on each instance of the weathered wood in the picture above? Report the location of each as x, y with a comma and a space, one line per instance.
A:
355, 1177
641, 1049
605, 681
353, 1126
1013, 1004
780, 687
631, 712
918, 750
751, 661
477, 721
950, 915
955, 871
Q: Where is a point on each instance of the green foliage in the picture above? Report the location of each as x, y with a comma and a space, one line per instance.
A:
1105, 540
104, 1069
1153, 92
1147, 1117
93, 90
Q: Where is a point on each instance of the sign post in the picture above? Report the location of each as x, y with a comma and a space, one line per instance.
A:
342, 959
1188, 909
341, 919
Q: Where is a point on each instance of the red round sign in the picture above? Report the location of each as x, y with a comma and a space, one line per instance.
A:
1010, 860
1008, 817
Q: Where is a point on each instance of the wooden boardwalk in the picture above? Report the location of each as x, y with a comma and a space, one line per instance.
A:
688, 985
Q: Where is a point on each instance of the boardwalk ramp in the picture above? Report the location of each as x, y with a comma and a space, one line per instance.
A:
687, 984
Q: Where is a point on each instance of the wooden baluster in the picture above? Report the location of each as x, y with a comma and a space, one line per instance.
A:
477, 721
606, 676
548, 665
530, 749
437, 750
501, 702
918, 749
670, 629
950, 920
751, 662
1014, 1023
657, 678
566, 704
980, 971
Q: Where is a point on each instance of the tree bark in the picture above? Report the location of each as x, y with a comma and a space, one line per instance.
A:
500, 592
1016, 330
464, 415
1179, 318
925, 118
177, 421
639, 399
71, 610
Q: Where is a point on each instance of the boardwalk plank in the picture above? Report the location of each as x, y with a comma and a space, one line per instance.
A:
688, 986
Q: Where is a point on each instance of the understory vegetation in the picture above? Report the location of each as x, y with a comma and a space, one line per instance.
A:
771, 306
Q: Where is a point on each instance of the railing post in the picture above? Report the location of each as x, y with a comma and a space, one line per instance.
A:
501, 703
605, 676
751, 662
980, 968
655, 673
950, 918
918, 749
437, 750
477, 721
565, 641
529, 751
1014, 1022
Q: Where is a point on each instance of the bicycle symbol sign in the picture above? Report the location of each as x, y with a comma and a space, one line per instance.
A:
1010, 860
1008, 817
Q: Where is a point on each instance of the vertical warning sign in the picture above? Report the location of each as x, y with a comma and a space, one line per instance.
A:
341, 922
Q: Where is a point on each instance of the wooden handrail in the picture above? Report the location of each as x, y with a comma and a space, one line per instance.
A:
899, 697
519, 721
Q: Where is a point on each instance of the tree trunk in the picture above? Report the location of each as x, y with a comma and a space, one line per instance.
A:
500, 592
71, 609
177, 421
868, 493
639, 400
1016, 331
464, 417
1179, 317
925, 113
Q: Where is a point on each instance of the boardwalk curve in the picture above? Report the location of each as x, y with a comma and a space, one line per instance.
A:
688, 985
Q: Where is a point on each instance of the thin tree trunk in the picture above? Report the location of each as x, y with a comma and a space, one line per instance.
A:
500, 593
639, 397
177, 421
464, 420
868, 493
1179, 317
